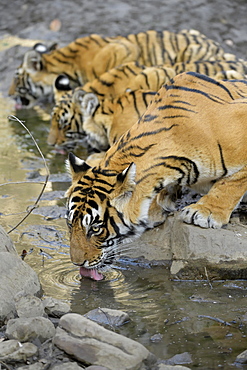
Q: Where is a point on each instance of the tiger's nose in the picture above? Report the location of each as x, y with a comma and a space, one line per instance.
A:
79, 264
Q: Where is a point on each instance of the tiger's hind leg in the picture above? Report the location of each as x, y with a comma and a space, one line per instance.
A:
214, 209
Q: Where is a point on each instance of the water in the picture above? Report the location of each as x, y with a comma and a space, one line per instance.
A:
185, 315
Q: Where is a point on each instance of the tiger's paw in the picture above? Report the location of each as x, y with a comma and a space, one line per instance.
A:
200, 215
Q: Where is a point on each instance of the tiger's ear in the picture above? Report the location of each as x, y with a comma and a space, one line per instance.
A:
76, 166
89, 102
42, 48
124, 187
62, 83
33, 61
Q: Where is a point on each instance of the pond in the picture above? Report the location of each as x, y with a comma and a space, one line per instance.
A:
168, 317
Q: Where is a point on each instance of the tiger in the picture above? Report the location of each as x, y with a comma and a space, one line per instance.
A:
102, 121
67, 116
133, 76
193, 134
88, 57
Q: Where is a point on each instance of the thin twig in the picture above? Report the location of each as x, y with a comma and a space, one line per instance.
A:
35, 205
206, 273
216, 319
107, 318
4, 364
22, 182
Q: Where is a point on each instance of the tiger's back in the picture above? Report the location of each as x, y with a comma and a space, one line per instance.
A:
67, 117
87, 58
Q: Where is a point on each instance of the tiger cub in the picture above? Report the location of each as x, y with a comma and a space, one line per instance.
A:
193, 134
102, 121
88, 57
134, 76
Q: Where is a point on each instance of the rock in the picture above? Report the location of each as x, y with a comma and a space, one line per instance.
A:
35, 366
93, 367
108, 316
29, 306
241, 358
29, 329
66, 366
188, 249
181, 358
13, 350
92, 344
16, 275
171, 367
8, 347
222, 251
6, 244
156, 337
54, 307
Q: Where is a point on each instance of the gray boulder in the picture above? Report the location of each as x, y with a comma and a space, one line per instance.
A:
15, 276
92, 344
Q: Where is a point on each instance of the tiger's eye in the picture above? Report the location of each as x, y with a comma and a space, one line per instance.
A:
95, 229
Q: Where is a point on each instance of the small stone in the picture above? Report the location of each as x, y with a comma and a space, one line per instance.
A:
12, 350
95, 367
180, 358
66, 366
107, 316
54, 307
8, 347
29, 306
156, 337
170, 367
28, 329
35, 366
242, 358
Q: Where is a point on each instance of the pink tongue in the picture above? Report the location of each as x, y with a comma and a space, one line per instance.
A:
91, 273
18, 106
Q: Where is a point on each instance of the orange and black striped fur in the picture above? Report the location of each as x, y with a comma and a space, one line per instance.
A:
193, 134
102, 121
87, 58
68, 116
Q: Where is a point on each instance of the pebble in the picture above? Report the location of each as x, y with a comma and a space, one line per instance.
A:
241, 358
29, 329
54, 307
13, 350
29, 306
107, 316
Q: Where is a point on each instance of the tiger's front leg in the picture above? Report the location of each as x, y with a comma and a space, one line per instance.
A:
214, 209
162, 205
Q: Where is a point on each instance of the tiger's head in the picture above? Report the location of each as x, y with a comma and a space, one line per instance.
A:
66, 119
96, 223
31, 82
72, 108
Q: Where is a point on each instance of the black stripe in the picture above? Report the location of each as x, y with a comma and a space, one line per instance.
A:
211, 80
222, 161
196, 91
133, 94
163, 107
